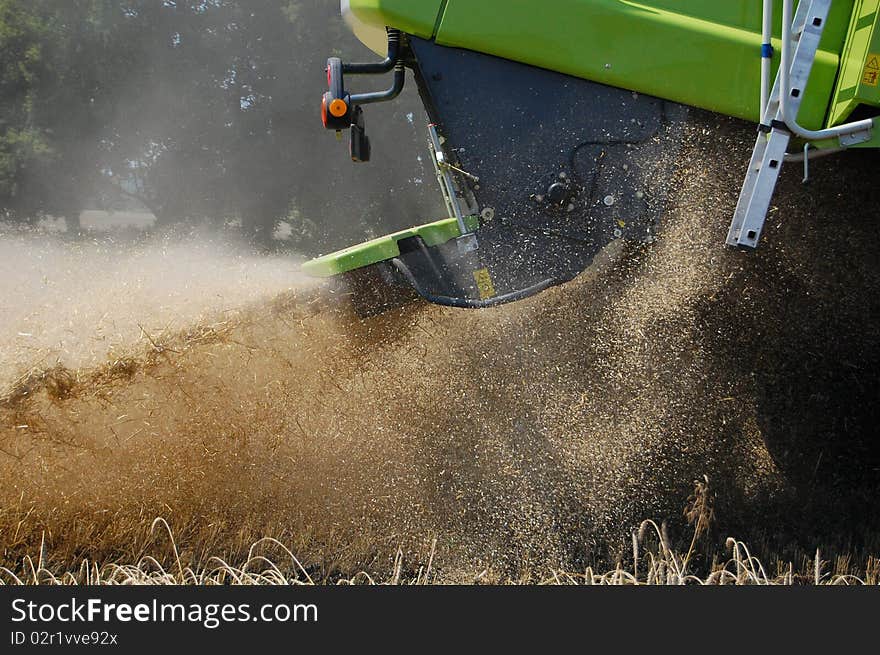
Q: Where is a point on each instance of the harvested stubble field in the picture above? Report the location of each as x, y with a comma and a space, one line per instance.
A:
430, 444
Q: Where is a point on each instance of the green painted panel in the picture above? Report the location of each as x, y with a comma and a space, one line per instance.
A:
383, 248
417, 17
704, 53
859, 82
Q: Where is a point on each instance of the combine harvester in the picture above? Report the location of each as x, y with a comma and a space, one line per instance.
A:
555, 125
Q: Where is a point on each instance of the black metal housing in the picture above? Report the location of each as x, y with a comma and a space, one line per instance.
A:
565, 167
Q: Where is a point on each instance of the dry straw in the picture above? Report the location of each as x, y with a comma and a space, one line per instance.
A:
662, 566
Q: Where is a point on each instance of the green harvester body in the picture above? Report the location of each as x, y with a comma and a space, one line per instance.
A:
696, 53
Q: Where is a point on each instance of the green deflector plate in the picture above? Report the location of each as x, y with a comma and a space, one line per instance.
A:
384, 248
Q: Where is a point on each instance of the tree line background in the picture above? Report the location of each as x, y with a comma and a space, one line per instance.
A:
198, 110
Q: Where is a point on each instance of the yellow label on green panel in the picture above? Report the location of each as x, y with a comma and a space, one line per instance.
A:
484, 283
871, 74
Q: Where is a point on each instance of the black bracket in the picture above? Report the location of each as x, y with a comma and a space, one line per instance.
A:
341, 110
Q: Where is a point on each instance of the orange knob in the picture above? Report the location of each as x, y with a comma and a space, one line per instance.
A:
338, 108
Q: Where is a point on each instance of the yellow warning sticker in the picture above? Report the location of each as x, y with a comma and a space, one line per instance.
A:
871, 75
484, 283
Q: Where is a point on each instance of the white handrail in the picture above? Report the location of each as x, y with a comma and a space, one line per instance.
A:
766, 56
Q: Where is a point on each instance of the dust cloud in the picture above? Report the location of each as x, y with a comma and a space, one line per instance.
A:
532, 435
78, 302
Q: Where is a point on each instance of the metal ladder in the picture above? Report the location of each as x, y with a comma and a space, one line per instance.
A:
773, 139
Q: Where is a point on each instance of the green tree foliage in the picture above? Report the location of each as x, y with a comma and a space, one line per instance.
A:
22, 144
196, 109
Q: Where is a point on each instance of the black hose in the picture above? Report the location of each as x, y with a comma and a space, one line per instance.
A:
379, 67
470, 303
383, 96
